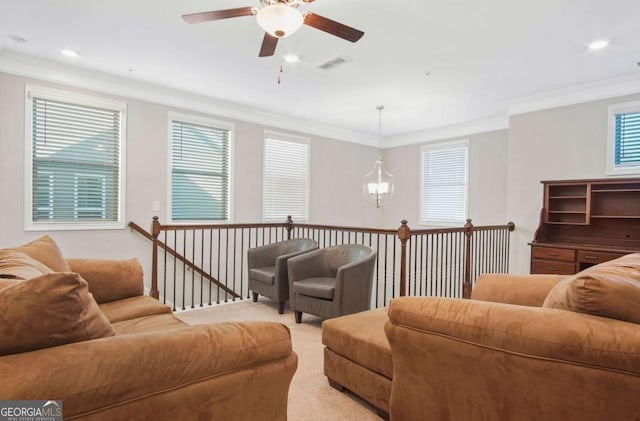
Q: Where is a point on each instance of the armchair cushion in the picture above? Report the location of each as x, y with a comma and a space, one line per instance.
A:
316, 287
47, 252
18, 265
610, 289
264, 274
50, 310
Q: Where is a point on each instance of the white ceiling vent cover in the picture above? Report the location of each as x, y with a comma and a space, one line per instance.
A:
332, 62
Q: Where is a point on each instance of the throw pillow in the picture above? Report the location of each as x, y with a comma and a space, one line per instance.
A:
17, 265
47, 252
610, 289
50, 310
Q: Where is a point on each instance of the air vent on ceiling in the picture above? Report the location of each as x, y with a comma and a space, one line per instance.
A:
332, 62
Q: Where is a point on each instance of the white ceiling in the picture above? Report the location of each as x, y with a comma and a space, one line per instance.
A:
480, 55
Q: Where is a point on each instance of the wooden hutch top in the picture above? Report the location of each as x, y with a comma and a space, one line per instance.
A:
596, 218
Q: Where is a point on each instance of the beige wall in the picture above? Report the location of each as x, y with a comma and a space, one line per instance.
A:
560, 143
336, 171
505, 170
487, 180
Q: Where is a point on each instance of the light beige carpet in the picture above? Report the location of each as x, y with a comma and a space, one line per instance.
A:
310, 396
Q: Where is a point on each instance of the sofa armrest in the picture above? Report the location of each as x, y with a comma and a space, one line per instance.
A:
509, 362
113, 371
110, 280
525, 290
535, 331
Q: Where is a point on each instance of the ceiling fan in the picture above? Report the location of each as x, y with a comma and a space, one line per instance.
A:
279, 19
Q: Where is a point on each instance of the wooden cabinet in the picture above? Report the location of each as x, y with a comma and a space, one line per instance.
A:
586, 222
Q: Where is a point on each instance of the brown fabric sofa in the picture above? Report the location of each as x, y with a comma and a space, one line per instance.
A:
110, 352
524, 347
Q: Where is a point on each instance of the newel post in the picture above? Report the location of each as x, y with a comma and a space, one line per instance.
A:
466, 287
289, 226
404, 233
155, 231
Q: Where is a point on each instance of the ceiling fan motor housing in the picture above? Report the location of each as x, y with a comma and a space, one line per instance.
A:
280, 19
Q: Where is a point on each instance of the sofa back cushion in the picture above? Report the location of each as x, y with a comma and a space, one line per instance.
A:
50, 310
610, 289
47, 252
110, 280
18, 265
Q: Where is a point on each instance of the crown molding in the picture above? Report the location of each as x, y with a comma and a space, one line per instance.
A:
576, 94
79, 77
446, 132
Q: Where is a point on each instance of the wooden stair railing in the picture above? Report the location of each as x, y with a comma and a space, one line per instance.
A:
137, 228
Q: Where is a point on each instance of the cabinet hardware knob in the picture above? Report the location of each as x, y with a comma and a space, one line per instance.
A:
552, 253
550, 269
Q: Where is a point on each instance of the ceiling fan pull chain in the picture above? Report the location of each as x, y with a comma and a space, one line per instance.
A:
279, 74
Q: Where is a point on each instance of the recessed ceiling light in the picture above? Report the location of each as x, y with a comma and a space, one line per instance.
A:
598, 45
291, 58
69, 53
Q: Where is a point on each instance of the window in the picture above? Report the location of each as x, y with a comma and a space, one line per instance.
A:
74, 150
286, 178
200, 169
623, 146
444, 183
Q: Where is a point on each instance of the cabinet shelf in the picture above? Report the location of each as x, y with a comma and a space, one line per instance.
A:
616, 216
567, 197
615, 190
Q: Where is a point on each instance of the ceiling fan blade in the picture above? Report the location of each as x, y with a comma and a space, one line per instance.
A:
269, 44
332, 27
218, 14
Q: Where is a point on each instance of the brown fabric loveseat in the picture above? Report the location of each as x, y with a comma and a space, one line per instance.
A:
80, 330
525, 347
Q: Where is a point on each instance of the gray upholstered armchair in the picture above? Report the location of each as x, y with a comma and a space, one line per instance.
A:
332, 282
268, 268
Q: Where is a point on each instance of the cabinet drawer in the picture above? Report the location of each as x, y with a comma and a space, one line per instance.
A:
551, 253
548, 266
596, 256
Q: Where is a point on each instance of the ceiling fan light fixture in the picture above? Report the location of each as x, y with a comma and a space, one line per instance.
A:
279, 20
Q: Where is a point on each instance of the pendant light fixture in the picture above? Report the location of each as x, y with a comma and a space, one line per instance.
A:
378, 183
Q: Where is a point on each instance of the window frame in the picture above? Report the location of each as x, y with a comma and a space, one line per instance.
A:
441, 146
33, 91
613, 110
285, 137
202, 121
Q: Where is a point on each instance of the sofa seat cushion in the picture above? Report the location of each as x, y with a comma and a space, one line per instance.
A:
265, 274
143, 324
316, 287
47, 252
610, 289
50, 310
360, 338
134, 307
18, 265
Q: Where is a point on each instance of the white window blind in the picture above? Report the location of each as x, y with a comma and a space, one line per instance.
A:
199, 172
75, 162
623, 139
627, 140
444, 184
286, 179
